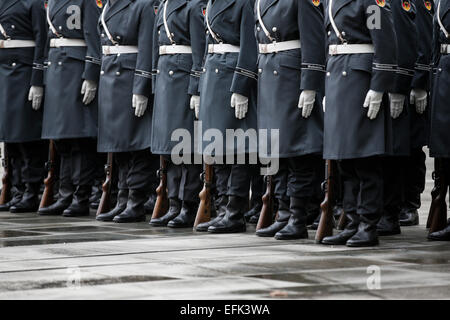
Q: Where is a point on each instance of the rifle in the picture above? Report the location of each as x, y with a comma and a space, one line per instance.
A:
327, 222
437, 218
205, 207
5, 196
49, 182
162, 200
266, 216
105, 201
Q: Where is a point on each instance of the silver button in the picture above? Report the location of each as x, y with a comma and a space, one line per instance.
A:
440, 69
13, 26
159, 31
217, 70
258, 28
328, 74
172, 35
344, 73
171, 72
103, 35
204, 69
118, 37
49, 63
207, 31
13, 64
157, 71
343, 33
117, 73
329, 33
102, 72
59, 63
275, 72
60, 28
260, 70
274, 29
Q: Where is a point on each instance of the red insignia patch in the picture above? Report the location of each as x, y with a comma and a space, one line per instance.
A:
155, 8
316, 2
428, 5
99, 3
381, 3
204, 11
45, 4
406, 5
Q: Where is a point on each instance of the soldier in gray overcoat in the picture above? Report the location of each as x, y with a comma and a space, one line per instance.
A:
22, 51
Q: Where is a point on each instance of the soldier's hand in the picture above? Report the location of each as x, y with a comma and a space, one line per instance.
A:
373, 102
240, 105
195, 105
88, 91
306, 102
419, 98
139, 103
397, 101
35, 95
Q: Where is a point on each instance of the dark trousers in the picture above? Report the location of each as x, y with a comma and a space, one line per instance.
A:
28, 159
302, 175
183, 181
78, 161
393, 176
280, 181
363, 185
233, 180
135, 170
415, 175
256, 182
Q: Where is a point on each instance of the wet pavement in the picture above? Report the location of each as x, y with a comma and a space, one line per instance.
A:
80, 258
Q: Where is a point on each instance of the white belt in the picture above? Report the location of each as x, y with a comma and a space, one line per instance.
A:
223, 48
174, 49
63, 42
445, 48
279, 46
336, 49
107, 50
10, 44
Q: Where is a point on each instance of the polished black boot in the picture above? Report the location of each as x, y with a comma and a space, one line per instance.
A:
80, 203
367, 232
221, 208
17, 197
255, 210
350, 230
281, 221
443, 235
233, 221
296, 226
388, 225
172, 213
186, 218
134, 211
64, 200
409, 215
29, 201
150, 204
121, 205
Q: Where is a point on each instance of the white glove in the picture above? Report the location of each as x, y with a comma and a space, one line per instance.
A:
35, 95
397, 101
419, 98
195, 105
373, 102
140, 104
306, 102
88, 90
240, 104
324, 101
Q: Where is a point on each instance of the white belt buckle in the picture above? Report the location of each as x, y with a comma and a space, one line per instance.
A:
162, 50
107, 50
333, 50
211, 48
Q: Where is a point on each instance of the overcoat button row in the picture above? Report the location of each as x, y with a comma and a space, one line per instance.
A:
13, 26
274, 29
157, 71
329, 33
328, 74
102, 72
344, 73
13, 64
117, 73
204, 69
217, 70
440, 69
258, 28
275, 72
59, 63
171, 72
159, 31
260, 70
60, 28
49, 63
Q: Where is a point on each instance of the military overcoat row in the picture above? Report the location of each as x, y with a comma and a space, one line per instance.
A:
419, 128
440, 113
233, 23
65, 115
21, 68
130, 23
349, 133
284, 75
178, 73
404, 14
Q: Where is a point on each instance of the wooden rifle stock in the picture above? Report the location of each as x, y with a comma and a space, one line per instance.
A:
105, 201
162, 200
327, 222
49, 182
437, 218
205, 207
266, 216
5, 196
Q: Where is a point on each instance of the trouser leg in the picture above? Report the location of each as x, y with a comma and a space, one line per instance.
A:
257, 192
15, 166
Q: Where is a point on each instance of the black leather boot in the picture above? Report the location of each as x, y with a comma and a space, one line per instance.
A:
17, 197
282, 220
121, 205
409, 215
80, 203
29, 201
255, 209
186, 218
312, 214
350, 230
367, 232
296, 227
233, 221
134, 211
443, 235
221, 208
388, 224
65, 195
172, 213
315, 224
150, 204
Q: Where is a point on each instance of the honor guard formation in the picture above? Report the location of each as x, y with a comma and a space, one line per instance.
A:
347, 92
